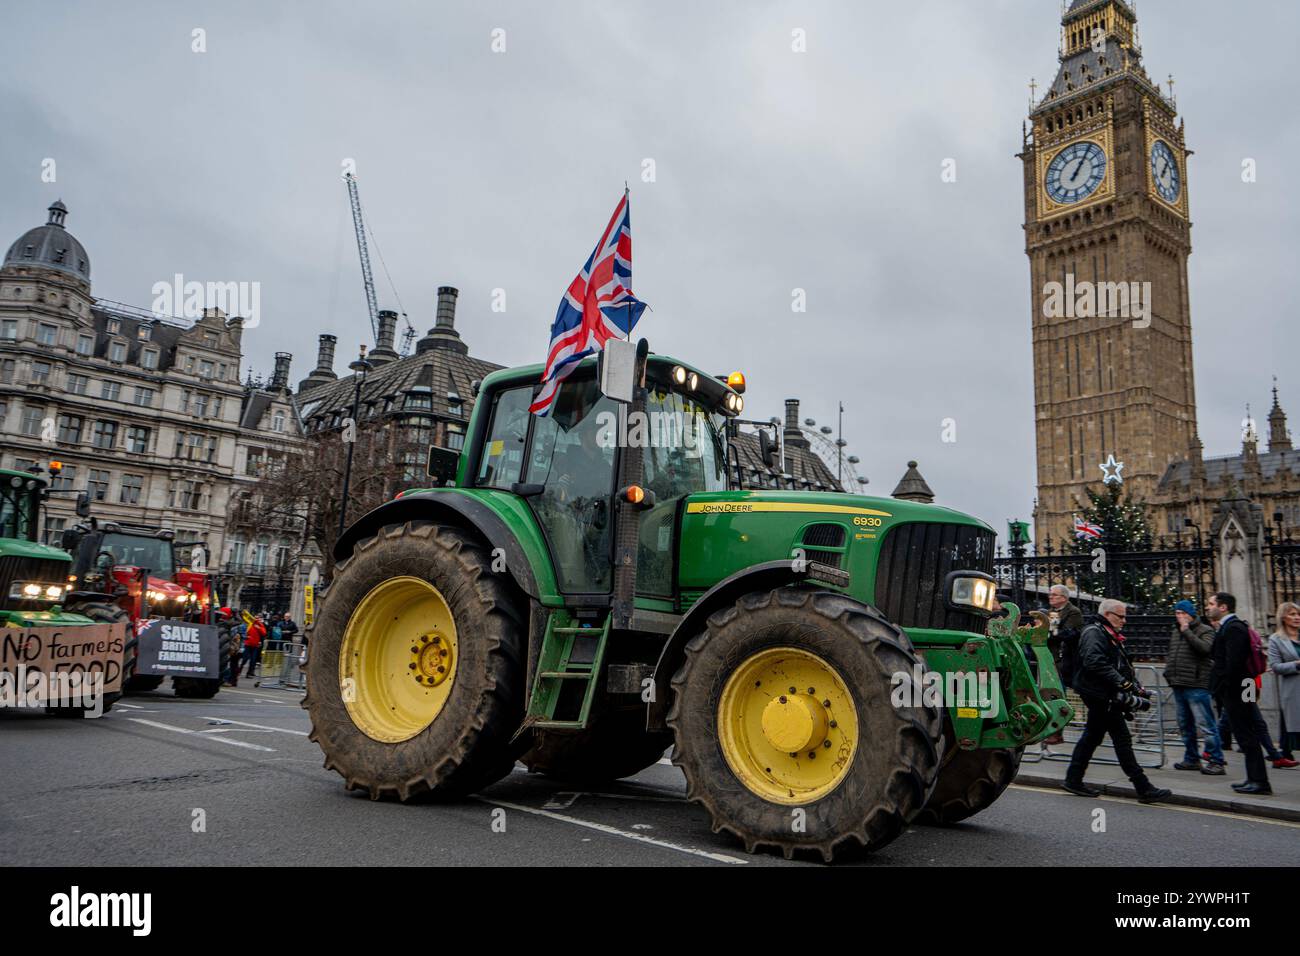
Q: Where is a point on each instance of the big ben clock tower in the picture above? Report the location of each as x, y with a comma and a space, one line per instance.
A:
1108, 235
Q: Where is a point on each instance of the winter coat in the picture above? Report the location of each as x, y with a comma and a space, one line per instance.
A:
1069, 624
1102, 667
1284, 664
1231, 654
1188, 663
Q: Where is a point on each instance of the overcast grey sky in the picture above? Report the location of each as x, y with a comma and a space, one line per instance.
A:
774, 171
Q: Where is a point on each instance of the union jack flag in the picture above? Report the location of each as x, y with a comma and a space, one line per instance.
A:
597, 307
1086, 529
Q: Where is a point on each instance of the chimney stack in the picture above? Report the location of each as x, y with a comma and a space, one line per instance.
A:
792, 435
324, 371
280, 380
443, 335
383, 351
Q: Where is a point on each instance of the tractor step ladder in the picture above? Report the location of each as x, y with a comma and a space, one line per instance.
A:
570, 654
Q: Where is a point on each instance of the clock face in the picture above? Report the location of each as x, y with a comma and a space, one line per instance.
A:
1164, 172
1075, 172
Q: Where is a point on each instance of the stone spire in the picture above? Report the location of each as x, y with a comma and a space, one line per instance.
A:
1279, 438
912, 487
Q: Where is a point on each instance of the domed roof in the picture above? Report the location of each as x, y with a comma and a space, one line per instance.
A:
51, 246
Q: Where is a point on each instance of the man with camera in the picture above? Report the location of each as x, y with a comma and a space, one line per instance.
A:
1232, 683
1104, 678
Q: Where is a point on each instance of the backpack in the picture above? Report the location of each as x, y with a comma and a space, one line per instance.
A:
1256, 657
1069, 655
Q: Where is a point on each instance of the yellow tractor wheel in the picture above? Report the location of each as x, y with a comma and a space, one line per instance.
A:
785, 726
414, 680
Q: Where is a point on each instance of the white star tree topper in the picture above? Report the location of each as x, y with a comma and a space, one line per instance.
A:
1110, 470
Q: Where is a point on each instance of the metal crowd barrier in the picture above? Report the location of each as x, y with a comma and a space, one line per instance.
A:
282, 665
1148, 728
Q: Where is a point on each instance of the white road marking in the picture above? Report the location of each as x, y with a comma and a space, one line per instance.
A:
283, 730
1226, 814
261, 698
129, 706
195, 733
558, 801
613, 831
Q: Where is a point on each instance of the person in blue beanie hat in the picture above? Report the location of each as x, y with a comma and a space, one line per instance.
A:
1187, 672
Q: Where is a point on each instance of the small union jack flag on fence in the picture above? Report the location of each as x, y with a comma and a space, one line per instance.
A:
1086, 529
597, 307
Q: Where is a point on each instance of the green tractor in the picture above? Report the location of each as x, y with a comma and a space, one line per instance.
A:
584, 590
35, 579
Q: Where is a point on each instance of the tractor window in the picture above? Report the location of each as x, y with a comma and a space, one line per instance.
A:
503, 452
573, 459
17, 513
684, 456
140, 552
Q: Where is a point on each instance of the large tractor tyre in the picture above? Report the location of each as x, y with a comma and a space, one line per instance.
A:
969, 782
786, 731
201, 688
104, 613
615, 744
415, 677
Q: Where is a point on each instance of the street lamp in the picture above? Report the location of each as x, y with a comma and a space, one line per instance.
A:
360, 367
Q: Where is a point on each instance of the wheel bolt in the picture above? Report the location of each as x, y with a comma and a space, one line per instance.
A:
441, 669
437, 639
794, 690
442, 652
826, 703
424, 639
412, 666
812, 755
826, 744
415, 650
835, 723
811, 691
783, 700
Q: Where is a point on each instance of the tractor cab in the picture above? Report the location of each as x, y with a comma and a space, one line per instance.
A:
20, 504
137, 565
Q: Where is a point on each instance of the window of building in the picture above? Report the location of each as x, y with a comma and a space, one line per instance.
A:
212, 450
201, 404
104, 435
65, 480
9, 330
418, 400
78, 384
144, 333
186, 494
206, 369
132, 486
7, 367
277, 422
117, 352
47, 334
237, 552
85, 345
110, 390
455, 404
455, 437
144, 396
256, 461
218, 404
70, 429
113, 326
32, 419
24, 464
41, 372
54, 528
149, 358
97, 484
137, 439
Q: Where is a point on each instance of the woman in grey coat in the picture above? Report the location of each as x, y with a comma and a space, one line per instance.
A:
1284, 663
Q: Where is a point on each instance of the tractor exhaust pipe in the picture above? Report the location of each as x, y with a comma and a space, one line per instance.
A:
627, 513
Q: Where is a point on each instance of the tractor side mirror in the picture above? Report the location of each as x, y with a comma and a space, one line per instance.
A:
83, 505
767, 450
70, 540
617, 363
442, 464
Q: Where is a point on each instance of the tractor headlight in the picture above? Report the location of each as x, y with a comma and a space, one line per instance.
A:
36, 591
156, 596
679, 376
971, 591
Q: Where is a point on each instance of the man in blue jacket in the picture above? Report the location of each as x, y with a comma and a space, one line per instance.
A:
1105, 680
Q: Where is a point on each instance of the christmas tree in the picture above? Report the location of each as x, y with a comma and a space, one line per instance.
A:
1124, 529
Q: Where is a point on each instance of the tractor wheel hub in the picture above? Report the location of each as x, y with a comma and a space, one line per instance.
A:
795, 722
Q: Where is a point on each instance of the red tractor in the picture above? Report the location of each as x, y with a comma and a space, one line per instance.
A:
126, 571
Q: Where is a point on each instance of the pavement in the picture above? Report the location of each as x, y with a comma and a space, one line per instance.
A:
1190, 789
235, 781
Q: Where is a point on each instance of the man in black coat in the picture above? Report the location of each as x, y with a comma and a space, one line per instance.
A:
1233, 686
1102, 675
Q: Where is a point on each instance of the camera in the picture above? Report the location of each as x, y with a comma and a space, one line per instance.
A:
1132, 700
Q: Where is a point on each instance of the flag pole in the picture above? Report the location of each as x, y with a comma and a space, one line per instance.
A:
627, 211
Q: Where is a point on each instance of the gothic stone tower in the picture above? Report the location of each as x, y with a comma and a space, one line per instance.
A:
1106, 220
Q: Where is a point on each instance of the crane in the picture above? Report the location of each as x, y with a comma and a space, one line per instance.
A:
367, 277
